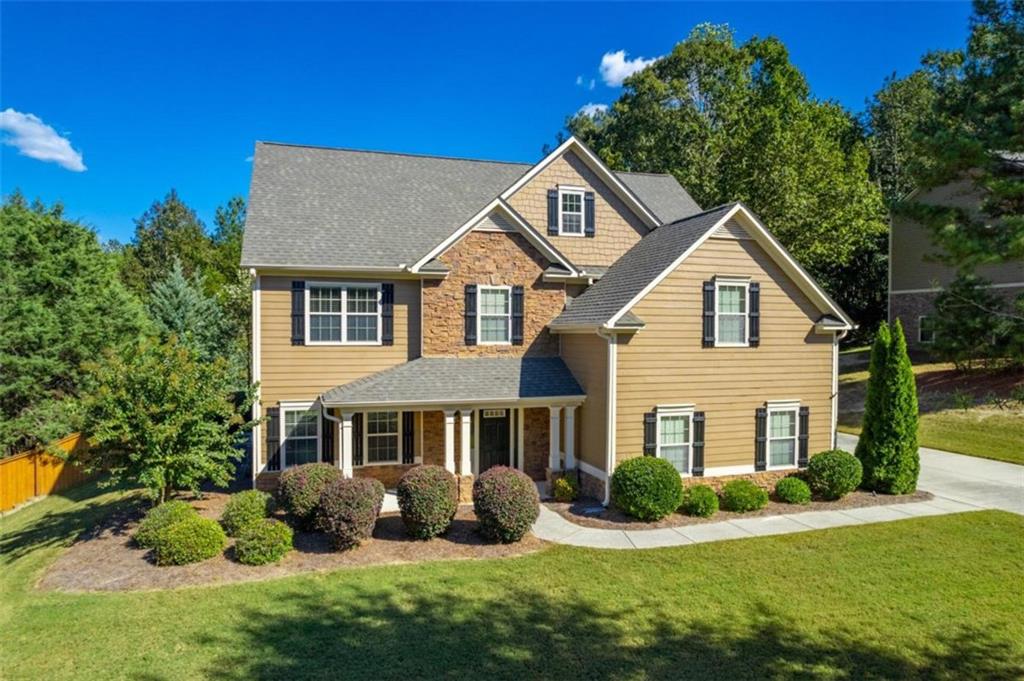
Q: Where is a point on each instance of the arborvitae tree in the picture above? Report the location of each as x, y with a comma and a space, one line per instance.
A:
179, 307
874, 405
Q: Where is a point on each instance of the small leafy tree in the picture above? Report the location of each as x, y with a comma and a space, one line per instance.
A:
888, 444
158, 415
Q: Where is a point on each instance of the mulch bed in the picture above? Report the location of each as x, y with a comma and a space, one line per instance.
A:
105, 559
590, 513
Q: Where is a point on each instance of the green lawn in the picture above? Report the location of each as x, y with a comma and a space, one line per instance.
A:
936, 598
989, 436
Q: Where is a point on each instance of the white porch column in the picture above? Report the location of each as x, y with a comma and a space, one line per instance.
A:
465, 423
570, 437
345, 451
555, 458
449, 441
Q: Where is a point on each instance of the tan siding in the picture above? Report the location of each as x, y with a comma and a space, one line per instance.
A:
617, 228
586, 355
665, 363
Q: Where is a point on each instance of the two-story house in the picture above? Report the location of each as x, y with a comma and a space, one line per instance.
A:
554, 317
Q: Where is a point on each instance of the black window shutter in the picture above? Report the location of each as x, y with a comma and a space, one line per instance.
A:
708, 340
650, 433
760, 439
387, 314
408, 426
326, 439
552, 212
517, 315
697, 469
298, 313
754, 313
805, 413
588, 214
273, 438
357, 439
470, 314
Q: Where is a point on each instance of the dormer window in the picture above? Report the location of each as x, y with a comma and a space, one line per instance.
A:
570, 211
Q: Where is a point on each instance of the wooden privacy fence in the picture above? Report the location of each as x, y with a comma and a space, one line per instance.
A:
36, 473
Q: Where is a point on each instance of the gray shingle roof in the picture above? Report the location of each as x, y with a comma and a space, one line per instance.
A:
638, 267
436, 380
336, 208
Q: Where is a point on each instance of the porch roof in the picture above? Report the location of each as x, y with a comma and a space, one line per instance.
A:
461, 381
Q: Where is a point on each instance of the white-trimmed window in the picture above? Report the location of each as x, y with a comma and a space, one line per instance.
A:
731, 323
926, 329
383, 441
783, 432
342, 314
675, 437
494, 322
300, 441
570, 211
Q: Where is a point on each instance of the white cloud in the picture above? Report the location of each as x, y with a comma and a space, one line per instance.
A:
592, 109
615, 68
248, 159
579, 80
33, 138
584, 83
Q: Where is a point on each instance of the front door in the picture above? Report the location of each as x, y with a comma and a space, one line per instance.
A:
494, 438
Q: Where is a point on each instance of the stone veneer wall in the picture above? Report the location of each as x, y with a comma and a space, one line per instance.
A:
765, 479
536, 442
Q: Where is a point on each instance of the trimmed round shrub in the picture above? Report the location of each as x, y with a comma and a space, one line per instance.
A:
428, 497
742, 496
834, 474
244, 509
647, 488
301, 486
159, 517
565, 489
700, 501
348, 510
793, 491
190, 540
506, 503
263, 541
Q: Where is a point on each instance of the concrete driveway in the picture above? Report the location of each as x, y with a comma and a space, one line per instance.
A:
968, 479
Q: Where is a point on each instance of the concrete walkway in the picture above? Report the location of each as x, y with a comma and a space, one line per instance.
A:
959, 483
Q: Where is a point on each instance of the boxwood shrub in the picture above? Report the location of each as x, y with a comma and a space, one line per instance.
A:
793, 490
428, 497
506, 503
700, 501
348, 510
301, 486
158, 518
647, 488
565, 489
245, 508
189, 541
834, 474
263, 541
742, 496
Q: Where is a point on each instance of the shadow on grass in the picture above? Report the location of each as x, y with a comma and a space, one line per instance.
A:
411, 633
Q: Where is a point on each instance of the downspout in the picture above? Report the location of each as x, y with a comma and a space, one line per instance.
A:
840, 335
610, 400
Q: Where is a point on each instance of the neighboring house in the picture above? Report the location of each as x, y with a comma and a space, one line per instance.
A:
917, 275
555, 317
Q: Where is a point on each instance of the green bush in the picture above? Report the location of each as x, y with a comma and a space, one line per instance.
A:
190, 540
506, 503
348, 510
742, 496
245, 508
793, 491
263, 541
300, 489
158, 518
428, 497
565, 489
834, 474
700, 501
647, 488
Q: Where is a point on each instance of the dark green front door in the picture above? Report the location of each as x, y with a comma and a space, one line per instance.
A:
494, 438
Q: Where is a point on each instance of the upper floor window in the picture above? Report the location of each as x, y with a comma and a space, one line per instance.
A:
343, 313
570, 211
495, 318
731, 313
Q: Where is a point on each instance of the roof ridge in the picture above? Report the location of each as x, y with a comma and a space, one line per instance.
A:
392, 153
704, 212
641, 172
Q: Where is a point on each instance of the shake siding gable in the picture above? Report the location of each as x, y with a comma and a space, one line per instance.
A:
665, 363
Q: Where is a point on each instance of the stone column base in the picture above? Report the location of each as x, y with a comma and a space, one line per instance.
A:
465, 488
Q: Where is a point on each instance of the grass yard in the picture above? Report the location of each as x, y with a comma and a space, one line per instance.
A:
936, 598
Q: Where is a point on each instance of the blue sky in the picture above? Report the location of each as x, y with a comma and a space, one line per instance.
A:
154, 96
